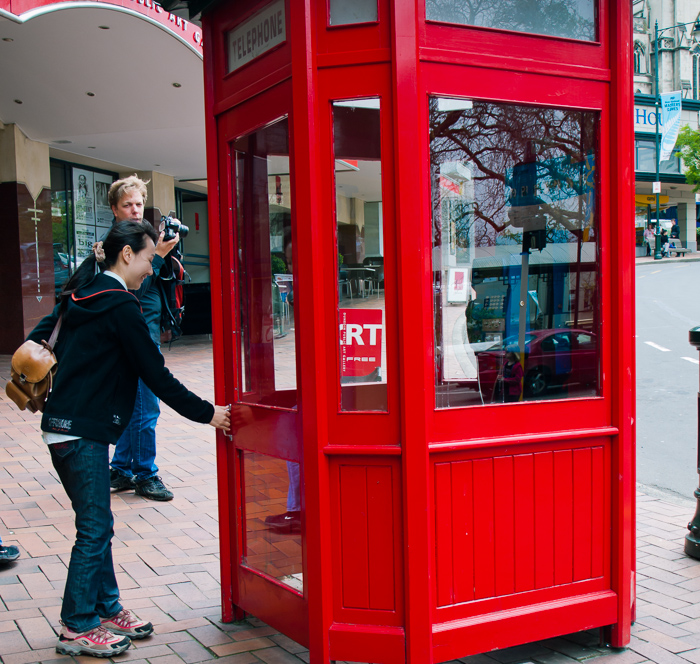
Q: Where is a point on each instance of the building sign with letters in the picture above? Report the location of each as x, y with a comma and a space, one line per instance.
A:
645, 119
259, 34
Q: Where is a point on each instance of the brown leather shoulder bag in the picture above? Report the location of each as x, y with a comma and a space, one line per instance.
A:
32, 372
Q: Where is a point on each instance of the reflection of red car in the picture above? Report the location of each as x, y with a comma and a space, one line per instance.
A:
554, 358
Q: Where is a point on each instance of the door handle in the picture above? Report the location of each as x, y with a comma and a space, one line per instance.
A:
228, 435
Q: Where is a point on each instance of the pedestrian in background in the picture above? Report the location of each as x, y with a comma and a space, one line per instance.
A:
134, 460
511, 377
649, 239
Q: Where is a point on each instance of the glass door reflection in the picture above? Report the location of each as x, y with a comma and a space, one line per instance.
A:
360, 250
263, 418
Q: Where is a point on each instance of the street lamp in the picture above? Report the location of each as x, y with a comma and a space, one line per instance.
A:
695, 33
692, 539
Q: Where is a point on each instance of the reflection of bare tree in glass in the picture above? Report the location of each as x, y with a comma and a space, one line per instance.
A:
561, 18
492, 139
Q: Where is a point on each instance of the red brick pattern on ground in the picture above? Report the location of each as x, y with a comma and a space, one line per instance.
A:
167, 556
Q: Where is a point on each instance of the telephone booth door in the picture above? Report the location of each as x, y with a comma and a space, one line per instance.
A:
265, 455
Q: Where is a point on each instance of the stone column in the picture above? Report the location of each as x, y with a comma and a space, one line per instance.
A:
686, 222
26, 266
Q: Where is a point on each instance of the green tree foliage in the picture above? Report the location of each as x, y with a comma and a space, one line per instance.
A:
688, 148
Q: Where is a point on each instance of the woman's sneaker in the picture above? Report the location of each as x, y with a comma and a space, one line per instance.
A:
128, 624
98, 642
9, 553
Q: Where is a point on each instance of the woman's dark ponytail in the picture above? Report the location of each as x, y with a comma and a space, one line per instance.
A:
123, 233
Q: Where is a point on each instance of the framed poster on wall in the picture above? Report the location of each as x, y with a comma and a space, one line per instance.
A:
103, 212
84, 196
84, 212
93, 216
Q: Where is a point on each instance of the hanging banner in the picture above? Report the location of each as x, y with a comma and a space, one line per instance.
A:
671, 123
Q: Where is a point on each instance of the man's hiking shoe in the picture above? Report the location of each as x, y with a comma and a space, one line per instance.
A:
120, 482
8, 554
127, 624
97, 642
154, 489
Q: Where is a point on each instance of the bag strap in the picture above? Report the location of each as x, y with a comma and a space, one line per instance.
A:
54, 334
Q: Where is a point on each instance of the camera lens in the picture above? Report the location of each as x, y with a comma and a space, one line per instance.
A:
183, 230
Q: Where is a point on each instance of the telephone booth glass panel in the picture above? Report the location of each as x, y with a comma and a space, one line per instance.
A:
352, 12
359, 228
515, 252
273, 542
270, 487
267, 347
573, 20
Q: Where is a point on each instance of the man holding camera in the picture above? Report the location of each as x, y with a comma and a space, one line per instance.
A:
133, 465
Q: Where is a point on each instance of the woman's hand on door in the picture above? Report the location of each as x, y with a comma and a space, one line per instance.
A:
222, 418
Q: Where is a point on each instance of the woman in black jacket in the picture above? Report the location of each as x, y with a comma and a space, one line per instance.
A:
103, 347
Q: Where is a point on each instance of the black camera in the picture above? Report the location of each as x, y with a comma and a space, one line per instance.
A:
172, 227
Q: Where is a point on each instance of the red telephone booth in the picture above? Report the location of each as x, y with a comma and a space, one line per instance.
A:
422, 261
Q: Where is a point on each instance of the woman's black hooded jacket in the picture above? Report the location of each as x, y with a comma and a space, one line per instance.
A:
103, 347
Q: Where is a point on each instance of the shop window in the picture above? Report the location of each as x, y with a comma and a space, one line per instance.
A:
645, 158
349, 12
266, 343
63, 262
360, 250
515, 252
273, 532
575, 19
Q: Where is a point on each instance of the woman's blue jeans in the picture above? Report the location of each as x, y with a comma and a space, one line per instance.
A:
91, 589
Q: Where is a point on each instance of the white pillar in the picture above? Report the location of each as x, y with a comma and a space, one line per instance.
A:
686, 222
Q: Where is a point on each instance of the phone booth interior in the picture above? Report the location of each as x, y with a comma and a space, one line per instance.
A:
424, 321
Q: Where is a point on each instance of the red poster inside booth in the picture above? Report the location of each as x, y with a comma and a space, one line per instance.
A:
360, 344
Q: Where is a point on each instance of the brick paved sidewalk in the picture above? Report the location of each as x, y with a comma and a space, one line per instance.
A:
167, 558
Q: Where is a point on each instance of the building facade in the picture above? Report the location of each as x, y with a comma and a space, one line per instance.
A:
94, 91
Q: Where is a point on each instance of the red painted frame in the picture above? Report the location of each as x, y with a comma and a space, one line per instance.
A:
413, 617
361, 428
